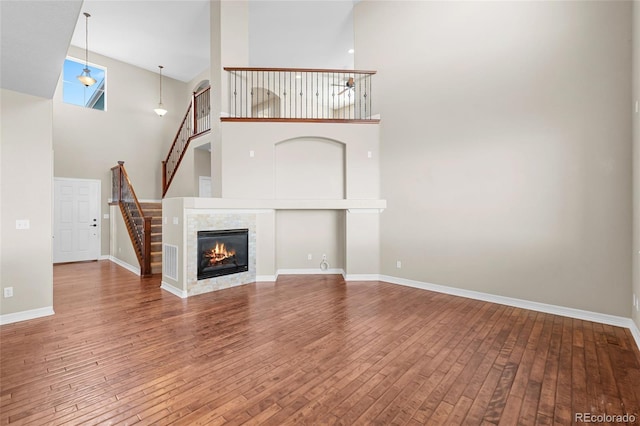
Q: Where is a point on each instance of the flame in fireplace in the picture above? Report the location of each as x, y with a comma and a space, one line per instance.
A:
219, 254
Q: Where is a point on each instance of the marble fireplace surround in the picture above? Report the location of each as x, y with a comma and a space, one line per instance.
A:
183, 217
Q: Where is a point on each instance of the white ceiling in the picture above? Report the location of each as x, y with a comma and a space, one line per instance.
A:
173, 33
148, 33
35, 37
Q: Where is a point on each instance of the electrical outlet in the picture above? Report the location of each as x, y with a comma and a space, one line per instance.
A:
398, 264
22, 224
252, 153
369, 154
309, 257
8, 292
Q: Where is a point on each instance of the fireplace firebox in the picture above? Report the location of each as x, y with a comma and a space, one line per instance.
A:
222, 252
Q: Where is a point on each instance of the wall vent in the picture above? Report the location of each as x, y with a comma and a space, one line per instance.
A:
170, 261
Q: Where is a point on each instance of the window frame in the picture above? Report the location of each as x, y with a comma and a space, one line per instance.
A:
67, 81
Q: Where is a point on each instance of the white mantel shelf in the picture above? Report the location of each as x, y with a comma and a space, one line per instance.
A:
231, 203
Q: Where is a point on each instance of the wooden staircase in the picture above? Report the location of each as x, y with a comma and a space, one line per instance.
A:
144, 224
154, 211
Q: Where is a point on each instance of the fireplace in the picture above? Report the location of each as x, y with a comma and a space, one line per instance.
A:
222, 252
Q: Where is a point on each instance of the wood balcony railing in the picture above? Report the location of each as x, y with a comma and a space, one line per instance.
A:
138, 226
196, 122
300, 94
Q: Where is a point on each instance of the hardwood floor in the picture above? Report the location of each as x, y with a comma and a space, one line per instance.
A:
307, 349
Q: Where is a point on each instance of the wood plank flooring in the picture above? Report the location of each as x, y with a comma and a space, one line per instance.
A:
307, 349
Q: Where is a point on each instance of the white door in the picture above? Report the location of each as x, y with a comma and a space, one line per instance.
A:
76, 220
204, 189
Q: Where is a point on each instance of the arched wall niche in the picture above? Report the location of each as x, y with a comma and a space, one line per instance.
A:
310, 168
202, 85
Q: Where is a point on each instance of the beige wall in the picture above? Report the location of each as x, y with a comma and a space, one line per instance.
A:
362, 252
185, 181
26, 193
182, 183
87, 143
636, 159
505, 146
244, 176
316, 232
201, 167
121, 246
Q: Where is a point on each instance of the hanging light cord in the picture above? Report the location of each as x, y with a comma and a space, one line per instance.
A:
86, 40
160, 66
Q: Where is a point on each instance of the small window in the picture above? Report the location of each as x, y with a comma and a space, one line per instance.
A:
76, 93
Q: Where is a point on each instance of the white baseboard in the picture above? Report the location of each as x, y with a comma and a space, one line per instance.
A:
26, 315
104, 257
362, 277
310, 271
635, 332
173, 290
524, 304
266, 278
125, 265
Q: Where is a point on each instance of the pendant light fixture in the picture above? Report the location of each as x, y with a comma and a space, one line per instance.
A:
85, 78
160, 110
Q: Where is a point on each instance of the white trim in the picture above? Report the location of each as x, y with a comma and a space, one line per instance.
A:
310, 271
266, 278
635, 332
362, 277
367, 211
26, 315
104, 257
224, 211
173, 290
125, 265
518, 303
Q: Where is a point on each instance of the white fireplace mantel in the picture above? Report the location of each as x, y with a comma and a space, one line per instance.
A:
259, 204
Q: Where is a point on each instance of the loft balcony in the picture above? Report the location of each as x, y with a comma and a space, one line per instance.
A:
300, 95
316, 103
